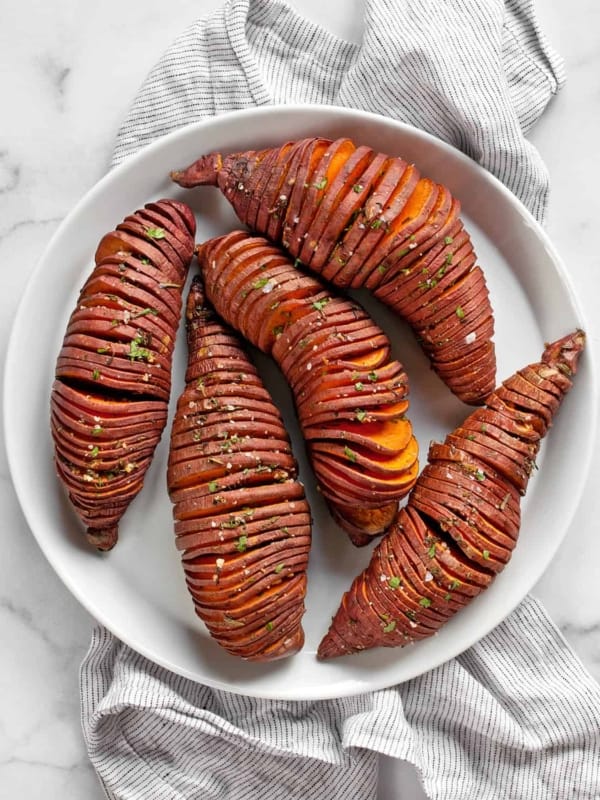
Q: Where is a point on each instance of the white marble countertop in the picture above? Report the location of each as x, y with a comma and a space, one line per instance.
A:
68, 74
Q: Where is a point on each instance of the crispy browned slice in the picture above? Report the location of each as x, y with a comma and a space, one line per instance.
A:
461, 522
361, 219
113, 372
338, 364
242, 523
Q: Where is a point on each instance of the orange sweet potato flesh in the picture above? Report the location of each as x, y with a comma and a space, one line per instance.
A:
461, 523
113, 372
365, 219
350, 394
242, 523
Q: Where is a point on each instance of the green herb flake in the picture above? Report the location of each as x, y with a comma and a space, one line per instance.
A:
269, 626
480, 475
360, 414
394, 582
321, 184
155, 233
319, 305
102, 350
377, 223
97, 430
137, 352
359, 386
431, 551
447, 597
358, 187
448, 240
448, 259
349, 453
372, 376
459, 312
455, 584
279, 568
144, 313
278, 330
96, 374
260, 283
382, 269
144, 260
486, 554
94, 451
241, 543
213, 486
391, 626
425, 602
471, 437
297, 263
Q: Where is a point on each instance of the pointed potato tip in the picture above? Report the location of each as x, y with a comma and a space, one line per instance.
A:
564, 353
329, 648
102, 539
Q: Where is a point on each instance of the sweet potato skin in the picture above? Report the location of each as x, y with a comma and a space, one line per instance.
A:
350, 395
242, 523
365, 219
462, 519
108, 403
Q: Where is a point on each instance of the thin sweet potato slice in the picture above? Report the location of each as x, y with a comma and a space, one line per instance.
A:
446, 538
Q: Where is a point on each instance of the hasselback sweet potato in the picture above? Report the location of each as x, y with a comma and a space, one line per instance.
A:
113, 373
361, 218
350, 395
462, 519
241, 520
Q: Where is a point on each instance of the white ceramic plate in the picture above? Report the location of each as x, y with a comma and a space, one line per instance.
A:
137, 590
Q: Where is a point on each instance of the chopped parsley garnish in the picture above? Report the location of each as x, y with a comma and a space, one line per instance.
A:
260, 283
241, 543
349, 453
391, 626
459, 312
319, 305
394, 582
155, 233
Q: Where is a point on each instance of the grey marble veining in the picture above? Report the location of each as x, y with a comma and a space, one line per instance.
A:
68, 76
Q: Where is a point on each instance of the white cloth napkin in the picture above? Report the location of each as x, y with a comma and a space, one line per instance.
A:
516, 716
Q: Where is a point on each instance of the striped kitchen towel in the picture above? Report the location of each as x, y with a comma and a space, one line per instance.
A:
516, 716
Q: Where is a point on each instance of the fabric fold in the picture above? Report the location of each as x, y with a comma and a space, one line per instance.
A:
515, 716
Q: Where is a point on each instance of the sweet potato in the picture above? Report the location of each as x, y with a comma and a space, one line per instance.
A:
242, 523
360, 218
461, 523
113, 372
350, 395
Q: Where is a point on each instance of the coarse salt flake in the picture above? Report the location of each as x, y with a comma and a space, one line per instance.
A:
470, 337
